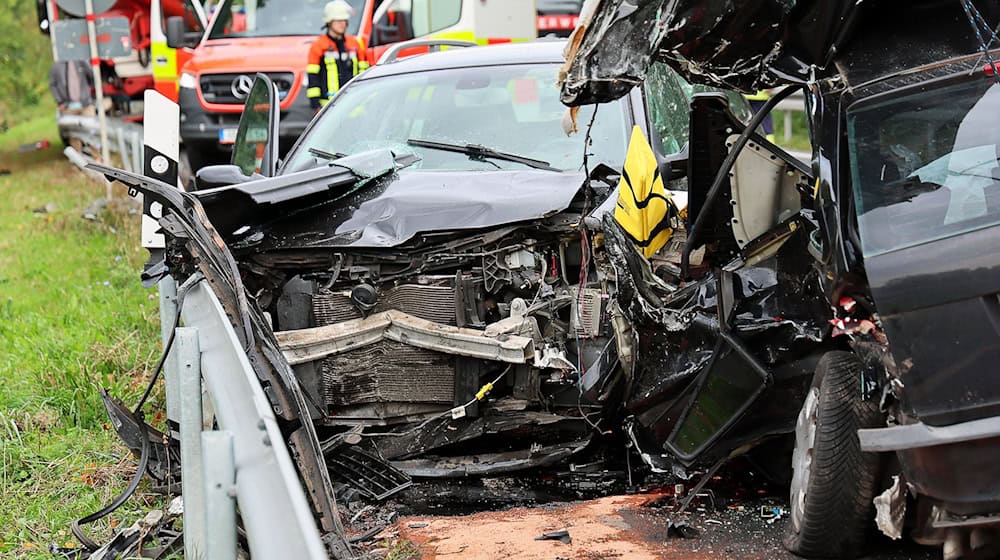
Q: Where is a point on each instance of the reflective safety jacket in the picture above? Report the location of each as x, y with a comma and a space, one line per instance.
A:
329, 69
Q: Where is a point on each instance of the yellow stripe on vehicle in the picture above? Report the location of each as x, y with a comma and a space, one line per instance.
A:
164, 61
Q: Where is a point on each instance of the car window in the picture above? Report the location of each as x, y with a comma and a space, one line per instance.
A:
514, 109
925, 165
273, 18
668, 98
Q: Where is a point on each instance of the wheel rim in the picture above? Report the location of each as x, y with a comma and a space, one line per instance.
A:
802, 457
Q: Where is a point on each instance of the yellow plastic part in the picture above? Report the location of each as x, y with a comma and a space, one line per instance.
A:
483, 391
644, 207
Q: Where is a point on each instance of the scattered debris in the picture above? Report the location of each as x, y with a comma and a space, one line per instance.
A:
890, 509
134, 541
48, 208
561, 535
367, 535
681, 529
417, 525
772, 513
94, 208
40, 145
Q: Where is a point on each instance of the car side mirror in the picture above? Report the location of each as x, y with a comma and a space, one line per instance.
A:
175, 32
256, 146
212, 176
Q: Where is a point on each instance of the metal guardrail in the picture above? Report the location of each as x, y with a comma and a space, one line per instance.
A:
124, 139
238, 463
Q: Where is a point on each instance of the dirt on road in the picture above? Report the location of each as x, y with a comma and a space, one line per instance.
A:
633, 527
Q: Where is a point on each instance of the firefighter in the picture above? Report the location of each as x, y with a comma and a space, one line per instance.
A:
334, 57
757, 102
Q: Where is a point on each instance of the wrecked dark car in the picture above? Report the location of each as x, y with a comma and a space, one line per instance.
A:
900, 99
439, 284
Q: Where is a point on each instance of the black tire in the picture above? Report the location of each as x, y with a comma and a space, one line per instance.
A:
834, 482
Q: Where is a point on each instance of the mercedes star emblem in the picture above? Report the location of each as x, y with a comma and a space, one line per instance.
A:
241, 86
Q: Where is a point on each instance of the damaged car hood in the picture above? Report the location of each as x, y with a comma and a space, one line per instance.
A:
390, 210
746, 45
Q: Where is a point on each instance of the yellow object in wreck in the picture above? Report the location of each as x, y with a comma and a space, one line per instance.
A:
644, 210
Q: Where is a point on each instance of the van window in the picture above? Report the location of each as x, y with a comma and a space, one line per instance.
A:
408, 19
192, 23
276, 18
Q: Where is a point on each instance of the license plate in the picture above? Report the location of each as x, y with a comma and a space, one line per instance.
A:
227, 135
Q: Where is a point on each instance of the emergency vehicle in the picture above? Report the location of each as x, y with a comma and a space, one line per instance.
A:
151, 63
244, 38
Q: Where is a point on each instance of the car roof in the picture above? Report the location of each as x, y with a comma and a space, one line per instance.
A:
539, 51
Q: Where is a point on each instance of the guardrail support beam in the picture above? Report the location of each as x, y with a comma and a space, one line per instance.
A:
168, 313
192, 475
220, 495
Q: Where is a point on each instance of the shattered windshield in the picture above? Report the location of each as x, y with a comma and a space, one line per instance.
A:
274, 18
668, 97
513, 109
926, 166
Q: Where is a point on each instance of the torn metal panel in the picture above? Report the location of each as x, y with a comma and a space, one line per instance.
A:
307, 345
164, 452
890, 509
764, 192
694, 343
745, 45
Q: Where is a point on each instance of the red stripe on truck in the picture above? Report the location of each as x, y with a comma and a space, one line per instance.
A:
567, 21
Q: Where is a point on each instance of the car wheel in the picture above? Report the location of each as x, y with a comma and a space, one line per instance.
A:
833, 482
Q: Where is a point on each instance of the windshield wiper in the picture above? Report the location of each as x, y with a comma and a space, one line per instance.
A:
332, 156
477, 152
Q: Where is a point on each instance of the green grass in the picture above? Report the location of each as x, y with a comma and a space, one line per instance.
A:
800, 131
73, 319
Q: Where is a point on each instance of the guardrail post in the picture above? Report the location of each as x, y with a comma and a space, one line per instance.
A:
168, 313
122, 151
136, 138
220, 495
192, 476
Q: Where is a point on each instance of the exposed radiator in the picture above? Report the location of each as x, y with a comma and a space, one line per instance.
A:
388, 371
433, 303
